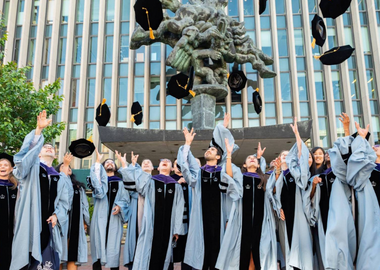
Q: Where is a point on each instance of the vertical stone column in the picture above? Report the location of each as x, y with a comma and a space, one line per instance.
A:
203, 111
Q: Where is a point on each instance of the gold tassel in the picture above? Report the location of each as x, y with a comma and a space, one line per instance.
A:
228, 75
316, 57
151, 33
151, 36
313, 43
133, 116
101, 106
257, 89
192, 93
90, 139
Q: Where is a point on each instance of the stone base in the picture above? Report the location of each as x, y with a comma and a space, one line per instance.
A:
203, 111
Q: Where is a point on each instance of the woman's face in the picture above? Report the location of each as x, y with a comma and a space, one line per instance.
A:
251, 161
319, 157
5, 168
310, 160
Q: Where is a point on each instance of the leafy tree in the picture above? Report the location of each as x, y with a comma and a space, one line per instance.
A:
21, 103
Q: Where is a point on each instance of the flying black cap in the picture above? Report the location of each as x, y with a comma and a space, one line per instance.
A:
256, 100
180, 85
262, 6
149, 14
103, 114
336, 55
237, 80
82, 148
334, 8
318, 29
137, 113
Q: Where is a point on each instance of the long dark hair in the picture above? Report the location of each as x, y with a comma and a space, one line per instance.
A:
323, 165
313, 167
73, 178
263, 177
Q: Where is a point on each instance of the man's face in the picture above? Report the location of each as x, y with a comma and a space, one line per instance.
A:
5, 169
147, 166
211, 154
109, 165
165, 166
47, 151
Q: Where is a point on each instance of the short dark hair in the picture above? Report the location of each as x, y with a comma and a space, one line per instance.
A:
104, 162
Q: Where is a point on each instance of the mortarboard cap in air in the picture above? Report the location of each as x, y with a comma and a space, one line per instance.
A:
336, 55
334, 8
180, 85
82, 148
256, 100
137, 113
149, 15
103, 114
236, 79
318, 29
262, 6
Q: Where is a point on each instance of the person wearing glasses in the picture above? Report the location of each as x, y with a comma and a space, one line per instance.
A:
43, 198
111, 211
216, 189
162, 221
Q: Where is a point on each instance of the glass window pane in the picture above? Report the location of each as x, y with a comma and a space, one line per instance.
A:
93, 49
282, 43
319, 86
78, 50
249, 7
80, 10
249, 22
266, 42
123, 91
110, 13
94, 10
109, 49
304, 109
286, 93
107, 90
270, 110
154, 113
298, 38
171, 112
125, 10
269, 90
284, 64
236, 111
321, 108
91, 93
237, 123
302, 86
107, 71
122, 114
170, 125
280, 6
323, 132
139, 90
287, 110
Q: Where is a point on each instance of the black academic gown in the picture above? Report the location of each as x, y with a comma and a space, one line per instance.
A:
253, 215
8, 197
74, 227
179, 250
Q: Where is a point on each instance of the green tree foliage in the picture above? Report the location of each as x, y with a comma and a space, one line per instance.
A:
20, 104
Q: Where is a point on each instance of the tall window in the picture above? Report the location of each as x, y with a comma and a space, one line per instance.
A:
171, 102
20, 22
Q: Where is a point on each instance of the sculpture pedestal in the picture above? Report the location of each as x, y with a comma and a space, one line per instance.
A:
203, 104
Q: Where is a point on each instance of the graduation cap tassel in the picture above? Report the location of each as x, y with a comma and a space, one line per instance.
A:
192, 93
103, 102
90, 139
151, 35
133, 116
313, 43
316, 57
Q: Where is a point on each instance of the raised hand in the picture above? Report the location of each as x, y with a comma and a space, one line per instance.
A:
99, 156
226, 120
345, 119
260, 152
294, 126
189, 136
361, 131
277, 165
67, 159
134, 158
121, 159
229, 147
42, 122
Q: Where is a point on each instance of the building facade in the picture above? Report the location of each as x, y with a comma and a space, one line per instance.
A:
85, 43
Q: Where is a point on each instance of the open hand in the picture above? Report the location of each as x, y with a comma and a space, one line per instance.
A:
121, 159
361, 131
134, 158
99, 156
42, 120
260, 152
67, 159
189, 136
294, 126
344, 118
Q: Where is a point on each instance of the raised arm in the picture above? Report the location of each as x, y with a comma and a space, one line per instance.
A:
345, 119
297, 135
141, 178
99, 179
259, 154
185, 159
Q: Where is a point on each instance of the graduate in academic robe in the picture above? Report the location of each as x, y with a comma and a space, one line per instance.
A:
214, 190
375, 175
257, 240
163, 216
79, 219
136, 206
179, 250
319, 157
286, 189
43, 198
8, 195
352, 161
111, 211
